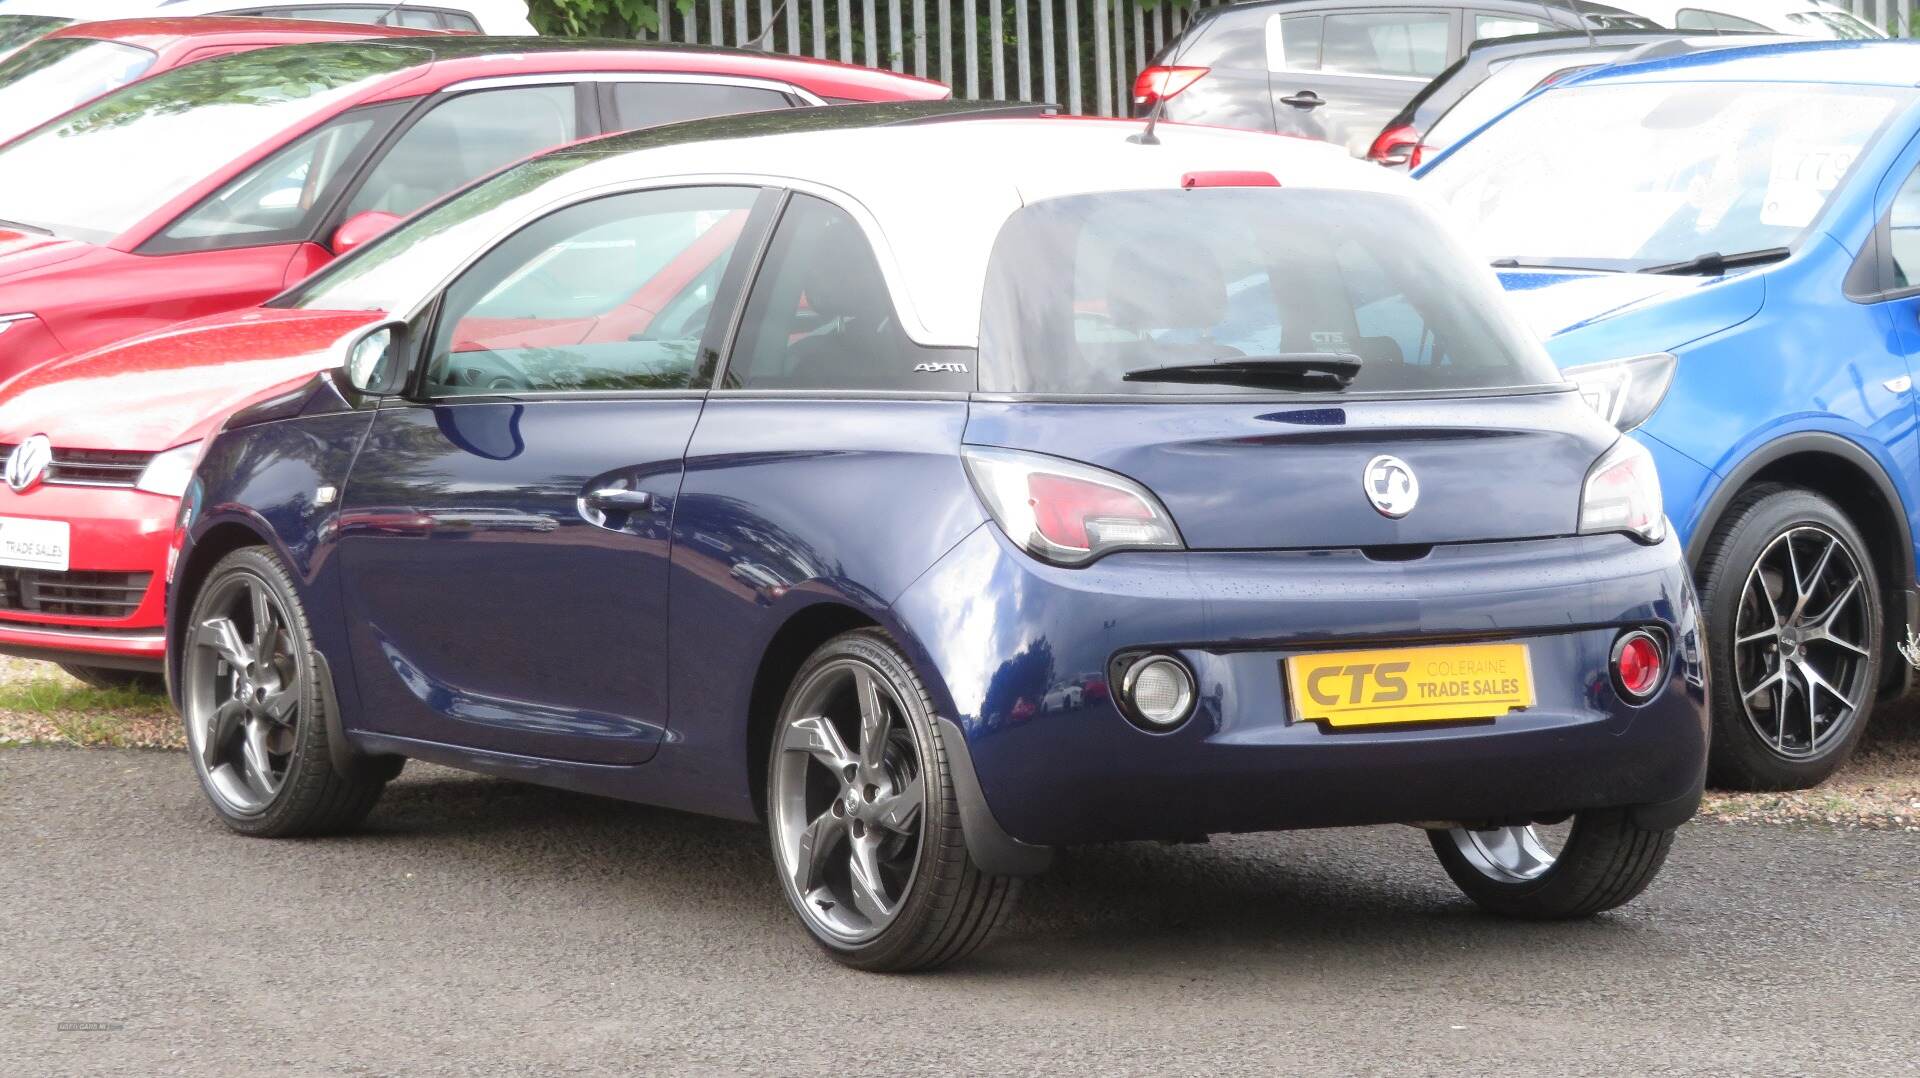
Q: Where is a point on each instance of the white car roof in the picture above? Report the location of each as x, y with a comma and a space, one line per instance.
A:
931, 195
494, 16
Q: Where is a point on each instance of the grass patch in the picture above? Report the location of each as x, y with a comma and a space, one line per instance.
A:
39, 706
52, 696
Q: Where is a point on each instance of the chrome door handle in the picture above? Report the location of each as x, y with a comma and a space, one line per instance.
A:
619, 499
1305, 99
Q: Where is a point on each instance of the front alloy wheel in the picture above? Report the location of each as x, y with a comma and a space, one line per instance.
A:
243, 691
862, 815
255, 715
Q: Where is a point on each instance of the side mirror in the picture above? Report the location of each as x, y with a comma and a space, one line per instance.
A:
361, 227
376, 359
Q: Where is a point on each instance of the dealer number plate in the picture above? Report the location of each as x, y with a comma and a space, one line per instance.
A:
34, 544
1395, 685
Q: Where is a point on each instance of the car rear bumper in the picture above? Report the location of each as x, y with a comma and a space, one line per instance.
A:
1001, 631
116, 561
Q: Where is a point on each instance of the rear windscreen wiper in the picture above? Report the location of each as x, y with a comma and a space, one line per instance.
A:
1714, 263
21, 226
1305, 370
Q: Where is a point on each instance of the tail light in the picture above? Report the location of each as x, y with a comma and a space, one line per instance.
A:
1156, 84
1624, 392
1395, 146
1065, 512
1414, 158
1639, 661
1622, 494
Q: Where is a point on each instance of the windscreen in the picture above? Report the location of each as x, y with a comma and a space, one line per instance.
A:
52, 76
158, 138
1682, 169
1085, 291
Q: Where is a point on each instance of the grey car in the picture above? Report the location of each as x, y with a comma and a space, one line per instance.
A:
1334, 70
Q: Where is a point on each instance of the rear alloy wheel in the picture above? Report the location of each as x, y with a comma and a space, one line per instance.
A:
861, 811
1598, 861
1794, 621
254, 713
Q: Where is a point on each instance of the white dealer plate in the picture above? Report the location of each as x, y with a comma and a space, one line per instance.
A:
34, 544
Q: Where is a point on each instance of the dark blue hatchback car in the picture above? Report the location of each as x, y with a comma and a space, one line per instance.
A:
944, 488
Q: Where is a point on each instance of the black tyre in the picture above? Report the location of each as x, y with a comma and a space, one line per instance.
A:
1599, 861
862, 815
107, 677
1794, 624
255, 712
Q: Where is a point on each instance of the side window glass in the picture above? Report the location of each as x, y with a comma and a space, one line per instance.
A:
820, 317
607, 295
1903, 222
280, 199
1486, 27
1293, 43
646, 104
370, 15
463, 140
458, 21
414, 18
1407, 44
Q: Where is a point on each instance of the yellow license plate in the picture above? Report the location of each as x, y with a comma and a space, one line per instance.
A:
1392, 685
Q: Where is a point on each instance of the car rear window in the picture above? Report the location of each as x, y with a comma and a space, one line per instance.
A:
1082, 290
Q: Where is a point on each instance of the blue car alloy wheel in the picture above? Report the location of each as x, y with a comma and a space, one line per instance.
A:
939, 524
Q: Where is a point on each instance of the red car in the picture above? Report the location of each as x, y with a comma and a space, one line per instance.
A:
74, 65
99, 447
232, 178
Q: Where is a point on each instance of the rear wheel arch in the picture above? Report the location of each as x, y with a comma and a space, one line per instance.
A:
803, 633
1849, 476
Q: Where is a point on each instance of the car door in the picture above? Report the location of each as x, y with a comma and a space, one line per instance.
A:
1352, 70
1886, 280
505, 531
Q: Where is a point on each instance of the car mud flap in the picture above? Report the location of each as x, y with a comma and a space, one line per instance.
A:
1667, 815
994, 852
345, 758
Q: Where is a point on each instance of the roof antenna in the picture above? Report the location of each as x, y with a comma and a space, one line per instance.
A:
1573, 7
763, 41
1145, 136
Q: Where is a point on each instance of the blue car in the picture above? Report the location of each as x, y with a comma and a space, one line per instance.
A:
1723, 251
1082, 488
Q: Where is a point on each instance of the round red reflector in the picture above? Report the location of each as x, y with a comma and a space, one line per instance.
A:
1637, 663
